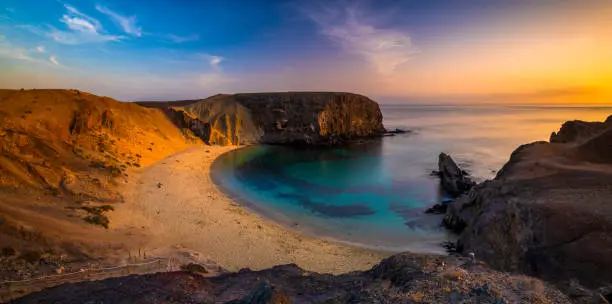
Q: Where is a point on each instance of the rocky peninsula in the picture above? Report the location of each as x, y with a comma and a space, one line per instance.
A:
547, 213
311, 118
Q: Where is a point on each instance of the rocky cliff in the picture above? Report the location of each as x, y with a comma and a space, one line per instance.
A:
548, 212
316, 118
578, 131
403, 278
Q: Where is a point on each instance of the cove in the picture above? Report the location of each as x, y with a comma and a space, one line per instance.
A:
359, 194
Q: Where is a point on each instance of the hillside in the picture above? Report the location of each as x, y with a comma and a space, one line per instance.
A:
64, 157
58, 140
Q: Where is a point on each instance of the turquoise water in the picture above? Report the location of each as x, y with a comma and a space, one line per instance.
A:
373, 194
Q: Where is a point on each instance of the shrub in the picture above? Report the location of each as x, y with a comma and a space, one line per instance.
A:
96, 215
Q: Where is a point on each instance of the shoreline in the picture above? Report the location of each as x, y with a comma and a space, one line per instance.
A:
178, 209
320, 234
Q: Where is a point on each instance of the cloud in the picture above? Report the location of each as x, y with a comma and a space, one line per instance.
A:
181, 39
212, 60
127, 23
215, 62
53, 60
385, 49
81, 29
40, 49
73, 11
11, 51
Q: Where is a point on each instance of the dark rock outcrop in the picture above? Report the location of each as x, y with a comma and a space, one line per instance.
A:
453, 180
547, 213
313, 118
439, 208
403, 278
579, 131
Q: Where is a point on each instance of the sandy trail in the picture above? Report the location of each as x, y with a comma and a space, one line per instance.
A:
175, 206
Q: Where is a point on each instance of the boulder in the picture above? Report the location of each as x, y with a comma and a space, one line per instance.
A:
453, 180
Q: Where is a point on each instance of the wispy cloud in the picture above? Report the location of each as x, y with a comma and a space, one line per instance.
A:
8, 50
215, 62
73, 11
81, 29
127, 23
40, 49
53, 60
181, 39
384, 48
11, 51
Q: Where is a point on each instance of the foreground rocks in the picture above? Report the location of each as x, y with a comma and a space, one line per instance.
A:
313, 118
547, 213
403, 278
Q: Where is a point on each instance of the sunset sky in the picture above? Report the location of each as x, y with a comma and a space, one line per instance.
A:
469, 51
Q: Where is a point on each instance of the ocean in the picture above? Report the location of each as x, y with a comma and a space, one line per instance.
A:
374, 194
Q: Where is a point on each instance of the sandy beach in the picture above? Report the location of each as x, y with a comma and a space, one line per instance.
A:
173, 207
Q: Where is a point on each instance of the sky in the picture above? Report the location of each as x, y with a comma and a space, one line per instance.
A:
412, 51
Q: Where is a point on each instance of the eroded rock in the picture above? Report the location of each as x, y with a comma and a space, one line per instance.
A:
547, 213
313, 118
453, 180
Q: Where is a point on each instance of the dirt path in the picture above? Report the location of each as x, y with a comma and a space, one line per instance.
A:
175, 206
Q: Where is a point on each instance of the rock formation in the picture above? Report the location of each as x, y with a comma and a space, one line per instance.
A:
453, 180
312, 118
547, 212
403, 278
578, 131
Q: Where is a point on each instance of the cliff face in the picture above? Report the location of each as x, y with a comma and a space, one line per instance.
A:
282, 118
578, 131
548, 211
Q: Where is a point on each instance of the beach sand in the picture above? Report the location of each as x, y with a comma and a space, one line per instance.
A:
173, 207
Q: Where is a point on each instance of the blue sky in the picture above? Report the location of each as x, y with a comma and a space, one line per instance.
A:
135, 50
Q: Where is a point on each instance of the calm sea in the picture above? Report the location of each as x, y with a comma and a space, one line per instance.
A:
374, 194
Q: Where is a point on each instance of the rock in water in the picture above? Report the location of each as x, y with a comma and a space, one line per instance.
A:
439, 208
454, 181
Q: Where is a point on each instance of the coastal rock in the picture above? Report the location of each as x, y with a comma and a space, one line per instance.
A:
547, 213
402, 278
313, 118
439, 208
579, 131
453, 180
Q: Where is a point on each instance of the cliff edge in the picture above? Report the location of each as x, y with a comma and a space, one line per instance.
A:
548, 212
313, 118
